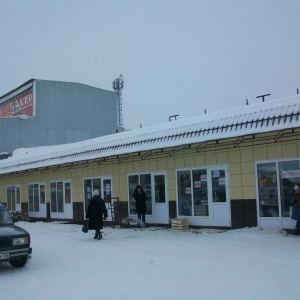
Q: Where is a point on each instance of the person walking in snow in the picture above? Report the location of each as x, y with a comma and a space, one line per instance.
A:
296, 208
140, 202
95, 213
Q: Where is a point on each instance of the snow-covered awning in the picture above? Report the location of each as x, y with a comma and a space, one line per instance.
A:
250, 119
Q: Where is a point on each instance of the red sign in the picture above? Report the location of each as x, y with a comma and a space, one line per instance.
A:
19, 106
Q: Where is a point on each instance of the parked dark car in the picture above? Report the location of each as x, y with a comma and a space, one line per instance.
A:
14, 241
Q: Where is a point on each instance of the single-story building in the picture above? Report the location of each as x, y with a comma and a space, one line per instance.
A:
233, 168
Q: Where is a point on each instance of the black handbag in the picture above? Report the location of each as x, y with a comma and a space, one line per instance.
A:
85, 228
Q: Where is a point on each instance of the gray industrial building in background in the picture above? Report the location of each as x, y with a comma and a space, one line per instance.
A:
44, 112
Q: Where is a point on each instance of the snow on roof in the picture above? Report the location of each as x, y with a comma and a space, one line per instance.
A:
250, 119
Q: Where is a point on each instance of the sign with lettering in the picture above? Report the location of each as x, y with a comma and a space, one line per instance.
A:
290, 174
22, 105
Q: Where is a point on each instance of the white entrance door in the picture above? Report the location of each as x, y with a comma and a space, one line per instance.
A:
61, 200
218, 197
68, 200
159, 195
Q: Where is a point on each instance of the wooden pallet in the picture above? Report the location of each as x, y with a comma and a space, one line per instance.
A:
180, 225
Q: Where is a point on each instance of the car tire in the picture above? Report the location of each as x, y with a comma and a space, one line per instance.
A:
18, 263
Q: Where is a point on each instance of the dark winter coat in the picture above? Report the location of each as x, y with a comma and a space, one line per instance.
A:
296, 207
140, 202
96, 211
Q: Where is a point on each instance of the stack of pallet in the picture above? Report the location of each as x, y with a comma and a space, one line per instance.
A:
180, 224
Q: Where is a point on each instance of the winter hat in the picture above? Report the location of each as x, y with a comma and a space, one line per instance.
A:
95, 193
296, 187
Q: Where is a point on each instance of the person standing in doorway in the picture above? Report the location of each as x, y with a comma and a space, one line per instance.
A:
95, 213
296, 208
140, 201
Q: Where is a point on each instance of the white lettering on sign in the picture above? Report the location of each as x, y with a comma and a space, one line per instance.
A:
19, 106
26, 100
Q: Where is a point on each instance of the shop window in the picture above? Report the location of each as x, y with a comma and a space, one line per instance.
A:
133, 181
184, 193
267, 190
289, 174
13, 197
192, 191
200, 195
274, 203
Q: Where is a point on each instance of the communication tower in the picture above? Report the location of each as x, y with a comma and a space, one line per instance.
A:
118, 85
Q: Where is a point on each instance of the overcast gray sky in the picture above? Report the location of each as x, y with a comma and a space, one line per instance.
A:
176, 56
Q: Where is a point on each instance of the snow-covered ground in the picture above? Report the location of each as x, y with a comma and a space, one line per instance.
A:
155, 263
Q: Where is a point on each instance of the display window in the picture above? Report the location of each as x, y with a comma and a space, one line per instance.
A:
203, 195
192, 192
276, 182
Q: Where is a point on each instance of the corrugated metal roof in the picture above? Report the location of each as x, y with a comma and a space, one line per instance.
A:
251, 119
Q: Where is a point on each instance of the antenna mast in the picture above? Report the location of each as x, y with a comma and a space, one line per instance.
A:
118, 85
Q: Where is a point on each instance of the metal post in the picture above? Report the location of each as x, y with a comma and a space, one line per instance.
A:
263, 97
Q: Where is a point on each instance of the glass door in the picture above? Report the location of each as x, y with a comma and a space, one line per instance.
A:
161, 203
218, 196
